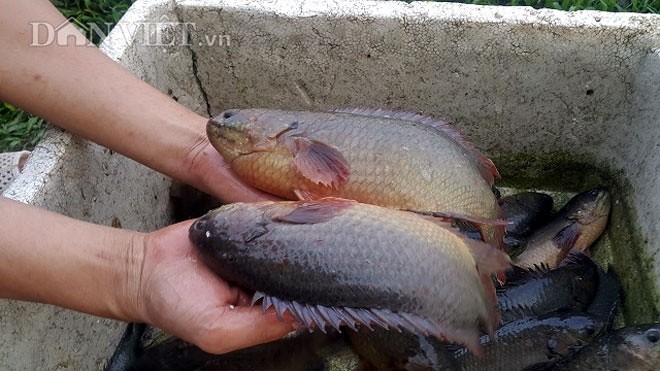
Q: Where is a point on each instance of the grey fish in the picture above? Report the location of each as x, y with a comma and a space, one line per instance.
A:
532, 342
301, 352
524, 212
632, 349
401, 351
335, 262
531, 292
393, 159
608, 296
576, 226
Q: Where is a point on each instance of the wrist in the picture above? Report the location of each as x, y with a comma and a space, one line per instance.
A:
126, 300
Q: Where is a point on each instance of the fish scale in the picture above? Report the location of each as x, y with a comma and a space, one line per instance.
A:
352, 256
391, 159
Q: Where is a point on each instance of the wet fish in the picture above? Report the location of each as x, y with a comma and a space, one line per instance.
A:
634, 348
302, 352
524, 212
532, 342
576, 226
393, 159
401, 351
333, 262
607, 299
536, 291
129, 348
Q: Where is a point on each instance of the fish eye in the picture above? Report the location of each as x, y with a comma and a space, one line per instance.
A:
228, 114
653, 335
293, 125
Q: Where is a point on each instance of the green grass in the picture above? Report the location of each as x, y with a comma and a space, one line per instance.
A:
19, 130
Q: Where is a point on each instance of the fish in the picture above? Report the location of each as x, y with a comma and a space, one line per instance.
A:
576, 226
608, 296
531, 292
533, 342
401, 351
129, 348
634, 348
392, 159
524, 212
335, 262
300, 351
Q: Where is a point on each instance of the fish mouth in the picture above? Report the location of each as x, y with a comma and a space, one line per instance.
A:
601, 203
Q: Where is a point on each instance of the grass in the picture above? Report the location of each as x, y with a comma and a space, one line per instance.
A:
19, 130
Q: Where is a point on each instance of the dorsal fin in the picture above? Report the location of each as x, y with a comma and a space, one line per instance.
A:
315, 211
486, 166
320, 316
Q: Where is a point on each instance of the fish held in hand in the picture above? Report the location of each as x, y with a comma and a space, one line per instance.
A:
392, 159
334, 262
576, 226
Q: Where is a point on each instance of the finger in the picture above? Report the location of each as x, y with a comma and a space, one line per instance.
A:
242, 327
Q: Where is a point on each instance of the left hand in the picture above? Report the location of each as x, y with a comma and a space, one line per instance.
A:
177, 293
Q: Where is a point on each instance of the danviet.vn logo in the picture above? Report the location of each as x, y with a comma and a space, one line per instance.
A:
164, 33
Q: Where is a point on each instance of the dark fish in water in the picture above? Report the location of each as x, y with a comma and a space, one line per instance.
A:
333, 262
401, 351
576, 226
531, 292
393, 159
631, 349
302, 352
607, 299
524, 212
532, 342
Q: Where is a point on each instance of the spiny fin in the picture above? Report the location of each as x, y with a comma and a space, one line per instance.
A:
516, 276
319, 162
320, 316
315, 211
578, 258
487, 168
565, 239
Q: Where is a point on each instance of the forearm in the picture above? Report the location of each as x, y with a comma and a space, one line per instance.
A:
83, 91
49, 258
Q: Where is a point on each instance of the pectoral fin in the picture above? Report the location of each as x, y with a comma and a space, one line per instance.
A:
565, 239
316, 211
319, 162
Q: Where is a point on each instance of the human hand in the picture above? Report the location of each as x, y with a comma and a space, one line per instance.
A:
177, 293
